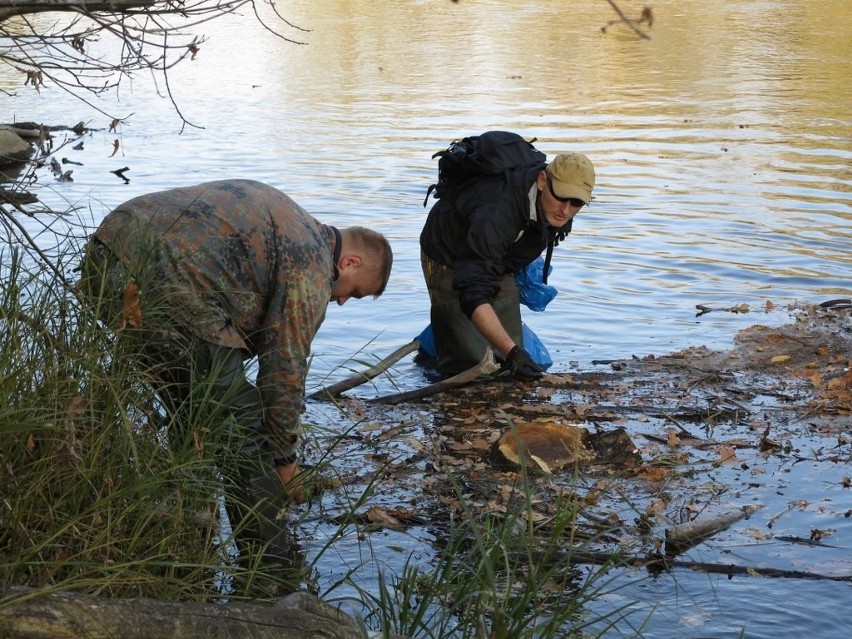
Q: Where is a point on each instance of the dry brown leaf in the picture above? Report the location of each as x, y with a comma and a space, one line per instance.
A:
30, 445
131, 309
197, 443
779, 358
727, 453
381, 516
768, 306
654, 473
673, 440
844, 381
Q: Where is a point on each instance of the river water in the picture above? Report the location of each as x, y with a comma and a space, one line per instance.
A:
722, 148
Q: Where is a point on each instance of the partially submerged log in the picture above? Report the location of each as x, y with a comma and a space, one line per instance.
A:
13, 148
682, 537
553, 446
545, 444
27, 614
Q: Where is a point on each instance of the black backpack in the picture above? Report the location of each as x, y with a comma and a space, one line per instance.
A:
492, 153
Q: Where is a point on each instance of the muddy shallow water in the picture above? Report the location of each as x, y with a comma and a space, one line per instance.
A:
765, 426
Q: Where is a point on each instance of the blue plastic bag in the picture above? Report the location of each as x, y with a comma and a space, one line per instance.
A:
535, 294
532, 344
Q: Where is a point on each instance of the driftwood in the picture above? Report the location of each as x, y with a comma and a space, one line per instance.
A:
27, 614
681, 537
486, 366
329, 392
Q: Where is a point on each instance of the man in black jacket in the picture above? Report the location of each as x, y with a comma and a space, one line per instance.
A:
473, 244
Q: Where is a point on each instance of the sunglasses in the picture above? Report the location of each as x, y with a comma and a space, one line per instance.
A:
573, 201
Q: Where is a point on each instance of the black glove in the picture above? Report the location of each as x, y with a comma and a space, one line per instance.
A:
522, 365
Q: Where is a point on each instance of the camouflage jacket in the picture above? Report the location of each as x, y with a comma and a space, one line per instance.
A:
236, 263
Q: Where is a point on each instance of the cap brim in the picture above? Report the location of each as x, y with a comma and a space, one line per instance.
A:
566, 190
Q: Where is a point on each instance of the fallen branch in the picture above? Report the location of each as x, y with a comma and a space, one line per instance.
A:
659, 563
681, 537
329, 392
486, 366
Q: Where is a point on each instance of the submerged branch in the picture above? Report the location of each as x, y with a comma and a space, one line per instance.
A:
486, 366
329, 392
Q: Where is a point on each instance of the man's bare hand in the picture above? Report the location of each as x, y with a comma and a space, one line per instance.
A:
295, 487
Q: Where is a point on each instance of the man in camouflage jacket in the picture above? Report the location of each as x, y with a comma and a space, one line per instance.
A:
207, 276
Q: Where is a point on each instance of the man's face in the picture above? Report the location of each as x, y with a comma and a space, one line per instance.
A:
557, 211
356, 280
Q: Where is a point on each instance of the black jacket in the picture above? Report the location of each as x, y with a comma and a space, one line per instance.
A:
486, 233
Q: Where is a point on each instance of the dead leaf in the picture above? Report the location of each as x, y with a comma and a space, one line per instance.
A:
844, 381
726, 453
779, 358
673, 440
654, 473
768, 306
30, 445
382, 517
115, 146
131, 309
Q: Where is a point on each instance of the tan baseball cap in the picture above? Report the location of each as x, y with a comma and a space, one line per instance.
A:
572, 175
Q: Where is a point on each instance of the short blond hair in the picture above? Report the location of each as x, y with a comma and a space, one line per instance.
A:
376, 250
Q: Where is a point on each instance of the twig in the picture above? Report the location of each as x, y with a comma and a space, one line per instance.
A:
486, 366
329, 392
628, 21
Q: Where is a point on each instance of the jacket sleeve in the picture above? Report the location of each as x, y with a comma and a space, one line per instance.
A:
494, 228
296, 310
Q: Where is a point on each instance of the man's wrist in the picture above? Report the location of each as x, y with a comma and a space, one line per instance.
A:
288, 460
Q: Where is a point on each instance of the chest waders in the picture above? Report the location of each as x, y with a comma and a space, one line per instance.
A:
458, 343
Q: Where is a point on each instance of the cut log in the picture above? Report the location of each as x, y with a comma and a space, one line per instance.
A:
545, 444
552, 446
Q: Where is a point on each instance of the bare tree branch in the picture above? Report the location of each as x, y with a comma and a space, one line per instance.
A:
72, 51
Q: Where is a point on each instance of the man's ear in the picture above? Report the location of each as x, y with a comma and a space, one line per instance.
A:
351, 260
